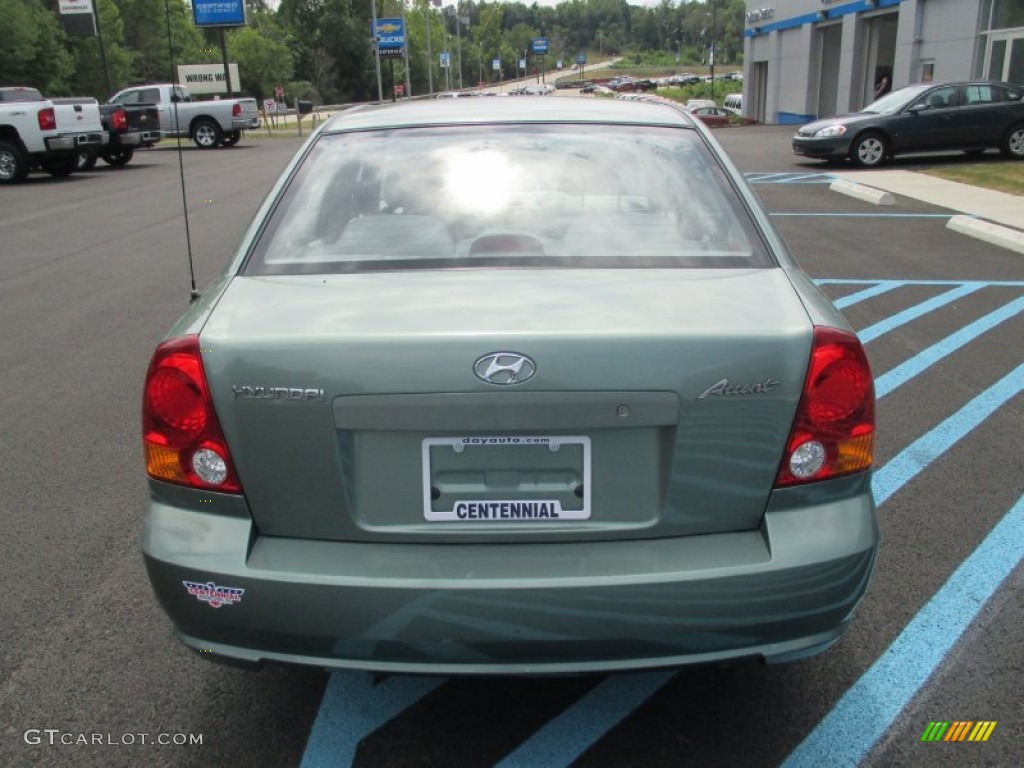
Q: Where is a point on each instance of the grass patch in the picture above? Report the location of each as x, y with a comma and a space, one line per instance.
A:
1007, 176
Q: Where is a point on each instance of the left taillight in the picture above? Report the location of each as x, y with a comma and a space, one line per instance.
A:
236, 110
833, 433
181, 436
47, 119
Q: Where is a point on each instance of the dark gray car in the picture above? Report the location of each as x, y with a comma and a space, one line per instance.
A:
929, 117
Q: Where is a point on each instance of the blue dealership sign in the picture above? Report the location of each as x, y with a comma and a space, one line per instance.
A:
218, 13
390, 36
540, 46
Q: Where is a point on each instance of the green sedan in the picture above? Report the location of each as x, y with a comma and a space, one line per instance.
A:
514, 386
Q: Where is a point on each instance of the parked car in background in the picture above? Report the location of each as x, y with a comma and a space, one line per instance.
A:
693, 104
511, 386
734, 101
128, 127
217, 122
716, 117
928, 117
36, 132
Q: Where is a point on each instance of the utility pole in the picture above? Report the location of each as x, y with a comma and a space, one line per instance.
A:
458, 35
405, 55
376, 53
430, 54
714, 7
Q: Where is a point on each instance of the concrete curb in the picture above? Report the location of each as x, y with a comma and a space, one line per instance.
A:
861, 192
995, 234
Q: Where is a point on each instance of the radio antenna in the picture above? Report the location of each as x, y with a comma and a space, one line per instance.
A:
193, 293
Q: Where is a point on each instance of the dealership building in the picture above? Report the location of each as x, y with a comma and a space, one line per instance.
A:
814, 58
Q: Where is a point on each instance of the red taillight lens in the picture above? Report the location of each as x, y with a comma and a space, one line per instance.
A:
236, 110
834, 429
119, 120
182, 438
47, 119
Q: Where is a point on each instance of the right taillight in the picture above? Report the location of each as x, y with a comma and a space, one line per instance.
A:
181, 436
47, 119
834, 429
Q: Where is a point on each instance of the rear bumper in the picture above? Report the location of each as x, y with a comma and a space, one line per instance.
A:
779, 593
136, 138
67, 142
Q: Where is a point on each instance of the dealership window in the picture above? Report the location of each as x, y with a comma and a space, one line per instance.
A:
1007, 14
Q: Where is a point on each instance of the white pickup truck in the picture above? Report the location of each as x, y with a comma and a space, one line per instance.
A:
37, 133
219, 122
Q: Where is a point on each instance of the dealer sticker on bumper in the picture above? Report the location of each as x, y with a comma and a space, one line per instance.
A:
506, 478
212, 595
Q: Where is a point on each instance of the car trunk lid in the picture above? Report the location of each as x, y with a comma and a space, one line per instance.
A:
357, 407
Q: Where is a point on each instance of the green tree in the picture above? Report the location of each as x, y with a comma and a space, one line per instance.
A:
32, 48
91, 71
263, 58
155, 33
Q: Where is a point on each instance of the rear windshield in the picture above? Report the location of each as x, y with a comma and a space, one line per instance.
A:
20, 94
510, 195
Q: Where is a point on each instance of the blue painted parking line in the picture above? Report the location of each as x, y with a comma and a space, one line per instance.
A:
904, 372
909, 462
862, 281
868, 709
789, 178
902, 318
871, 215
868, 293
353, 708
567, 736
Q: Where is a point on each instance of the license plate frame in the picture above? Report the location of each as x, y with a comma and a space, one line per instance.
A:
511, 510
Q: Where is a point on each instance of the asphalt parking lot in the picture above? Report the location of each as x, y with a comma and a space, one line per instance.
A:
94, 271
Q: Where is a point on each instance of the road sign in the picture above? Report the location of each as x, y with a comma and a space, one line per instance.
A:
445, 57
581, 58
540, 45
279, 91
399, 89
218, 13
269, 106
496, 64
390, 36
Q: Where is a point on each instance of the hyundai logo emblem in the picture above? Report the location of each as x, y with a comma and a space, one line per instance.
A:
504, 368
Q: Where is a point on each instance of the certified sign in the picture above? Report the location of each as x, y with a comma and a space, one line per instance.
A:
218, 13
